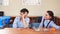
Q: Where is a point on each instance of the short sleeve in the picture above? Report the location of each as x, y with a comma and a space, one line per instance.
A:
15, 22
27, 22
52, 24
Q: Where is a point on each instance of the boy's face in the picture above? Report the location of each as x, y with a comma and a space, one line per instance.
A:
25, 14
47, 16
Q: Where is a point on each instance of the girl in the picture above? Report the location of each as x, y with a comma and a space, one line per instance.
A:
47, 21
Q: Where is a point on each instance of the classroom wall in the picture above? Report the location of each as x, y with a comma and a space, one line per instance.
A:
38, 10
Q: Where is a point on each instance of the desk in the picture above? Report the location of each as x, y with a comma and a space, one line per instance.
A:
24, 31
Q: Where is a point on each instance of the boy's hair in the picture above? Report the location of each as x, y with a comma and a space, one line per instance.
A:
24, 10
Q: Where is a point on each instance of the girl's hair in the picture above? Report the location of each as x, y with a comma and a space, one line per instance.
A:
51, 14
52, 18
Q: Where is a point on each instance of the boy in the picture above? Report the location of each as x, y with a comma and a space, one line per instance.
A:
22, 21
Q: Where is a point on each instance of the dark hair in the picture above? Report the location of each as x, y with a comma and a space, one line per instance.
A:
24, 10
51, 14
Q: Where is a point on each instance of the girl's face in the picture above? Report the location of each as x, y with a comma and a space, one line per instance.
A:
47, 16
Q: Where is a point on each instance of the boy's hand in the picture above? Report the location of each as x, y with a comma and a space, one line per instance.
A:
23, 16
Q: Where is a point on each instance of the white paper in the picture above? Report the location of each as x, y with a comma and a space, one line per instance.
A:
31, 2
5, 2
1, 2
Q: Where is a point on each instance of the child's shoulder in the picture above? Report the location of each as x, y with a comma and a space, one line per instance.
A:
17, 17
51, 21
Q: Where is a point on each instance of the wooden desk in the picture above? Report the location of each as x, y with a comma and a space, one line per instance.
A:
24, 31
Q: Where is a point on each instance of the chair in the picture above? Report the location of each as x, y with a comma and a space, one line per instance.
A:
4, 21
1, 22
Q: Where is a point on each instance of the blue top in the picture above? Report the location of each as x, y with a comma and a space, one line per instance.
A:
4, 19
18, 24
51, 24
